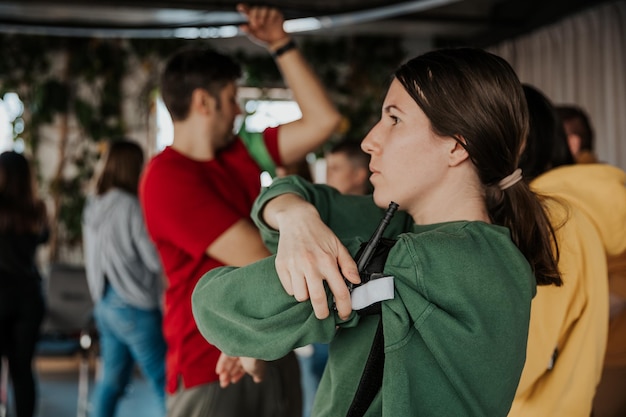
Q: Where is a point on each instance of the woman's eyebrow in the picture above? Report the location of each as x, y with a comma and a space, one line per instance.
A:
387, 109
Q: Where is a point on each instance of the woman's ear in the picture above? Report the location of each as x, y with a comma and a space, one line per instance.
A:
458, 151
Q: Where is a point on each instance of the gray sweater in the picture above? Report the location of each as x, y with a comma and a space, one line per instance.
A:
116, 244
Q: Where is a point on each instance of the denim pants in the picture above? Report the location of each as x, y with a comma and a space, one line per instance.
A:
128, 335
312, 364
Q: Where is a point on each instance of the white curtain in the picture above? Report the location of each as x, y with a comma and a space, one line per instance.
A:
581, 60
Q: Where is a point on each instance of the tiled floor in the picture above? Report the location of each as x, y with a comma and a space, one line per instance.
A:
58, 391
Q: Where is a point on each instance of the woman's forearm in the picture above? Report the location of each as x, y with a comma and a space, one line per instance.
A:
286, 208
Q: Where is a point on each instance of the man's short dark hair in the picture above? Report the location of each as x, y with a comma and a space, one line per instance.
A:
189, 69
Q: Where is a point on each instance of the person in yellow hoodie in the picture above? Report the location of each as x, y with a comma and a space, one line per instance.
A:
610, 400
569, 325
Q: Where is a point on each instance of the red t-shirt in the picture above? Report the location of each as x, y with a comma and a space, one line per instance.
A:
188, 204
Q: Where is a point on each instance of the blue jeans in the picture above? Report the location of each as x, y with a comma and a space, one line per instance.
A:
311, 370
127, 335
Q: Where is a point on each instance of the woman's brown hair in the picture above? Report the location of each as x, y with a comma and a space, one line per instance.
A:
123, 163
20, 209
475, 97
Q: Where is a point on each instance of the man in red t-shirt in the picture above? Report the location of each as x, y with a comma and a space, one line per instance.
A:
197, 195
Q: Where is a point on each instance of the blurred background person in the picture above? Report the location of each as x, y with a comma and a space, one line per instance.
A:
347, 168
300, 168
125, 280
579, 133
569, 325
609, 400
23, 227
197, 195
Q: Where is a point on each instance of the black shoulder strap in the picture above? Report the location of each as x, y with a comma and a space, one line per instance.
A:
371, 259
372, 378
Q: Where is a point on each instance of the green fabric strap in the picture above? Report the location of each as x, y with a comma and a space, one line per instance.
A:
258, 151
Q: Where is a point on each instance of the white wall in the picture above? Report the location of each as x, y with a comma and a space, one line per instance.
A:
581, 60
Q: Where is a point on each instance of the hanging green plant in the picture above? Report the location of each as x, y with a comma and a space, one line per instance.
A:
88, 89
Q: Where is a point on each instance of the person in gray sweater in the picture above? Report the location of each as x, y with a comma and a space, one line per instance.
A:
125, 280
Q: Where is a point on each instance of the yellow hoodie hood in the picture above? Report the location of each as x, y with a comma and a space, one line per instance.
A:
599, 190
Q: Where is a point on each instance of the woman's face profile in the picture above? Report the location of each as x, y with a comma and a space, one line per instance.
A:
408, 160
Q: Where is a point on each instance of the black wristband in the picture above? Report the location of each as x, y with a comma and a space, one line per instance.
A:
286, 47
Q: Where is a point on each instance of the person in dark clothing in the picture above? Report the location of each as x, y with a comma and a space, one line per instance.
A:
23, 227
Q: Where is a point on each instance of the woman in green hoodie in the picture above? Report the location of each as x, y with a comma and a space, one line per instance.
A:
440, 328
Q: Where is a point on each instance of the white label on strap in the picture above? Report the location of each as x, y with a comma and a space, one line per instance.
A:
376, 290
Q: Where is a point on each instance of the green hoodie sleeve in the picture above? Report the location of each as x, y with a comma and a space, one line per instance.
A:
348, 216
246, 312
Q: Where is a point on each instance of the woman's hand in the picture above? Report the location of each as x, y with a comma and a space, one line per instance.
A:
231, 369
308, 254
254, 367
